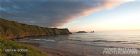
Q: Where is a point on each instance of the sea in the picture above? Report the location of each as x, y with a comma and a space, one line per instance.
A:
99, 43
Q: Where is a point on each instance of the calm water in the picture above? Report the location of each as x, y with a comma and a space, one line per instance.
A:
89, 44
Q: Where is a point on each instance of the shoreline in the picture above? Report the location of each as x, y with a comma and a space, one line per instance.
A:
12, 30
78, 48
51, 51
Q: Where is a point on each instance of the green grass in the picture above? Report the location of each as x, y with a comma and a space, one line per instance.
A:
30, 50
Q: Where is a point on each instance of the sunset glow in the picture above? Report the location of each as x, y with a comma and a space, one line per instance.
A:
76, 15
122, 17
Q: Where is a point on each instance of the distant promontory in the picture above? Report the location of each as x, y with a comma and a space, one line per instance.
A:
81, 32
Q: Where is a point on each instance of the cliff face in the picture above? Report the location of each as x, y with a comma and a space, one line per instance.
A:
12, 29
64, 31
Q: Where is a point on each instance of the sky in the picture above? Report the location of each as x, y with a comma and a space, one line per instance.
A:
77, 15
123, 17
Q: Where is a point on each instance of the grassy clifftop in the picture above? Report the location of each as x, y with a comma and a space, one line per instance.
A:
11, 48
12, 29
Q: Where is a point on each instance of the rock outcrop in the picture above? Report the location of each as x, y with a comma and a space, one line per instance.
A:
12, 29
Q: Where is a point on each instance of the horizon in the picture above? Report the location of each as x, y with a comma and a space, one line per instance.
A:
103, 15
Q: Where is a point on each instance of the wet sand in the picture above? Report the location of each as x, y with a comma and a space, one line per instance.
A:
52, 52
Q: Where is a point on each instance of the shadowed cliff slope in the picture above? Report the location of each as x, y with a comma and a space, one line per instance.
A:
12, 29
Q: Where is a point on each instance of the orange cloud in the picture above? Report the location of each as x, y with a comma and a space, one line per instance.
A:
108, 4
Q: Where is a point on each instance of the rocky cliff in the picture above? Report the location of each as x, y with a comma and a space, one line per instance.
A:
12, 29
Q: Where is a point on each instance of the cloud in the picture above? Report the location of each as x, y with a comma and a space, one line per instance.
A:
52, 13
